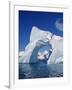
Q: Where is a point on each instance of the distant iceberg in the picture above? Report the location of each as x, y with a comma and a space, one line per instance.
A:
38, 39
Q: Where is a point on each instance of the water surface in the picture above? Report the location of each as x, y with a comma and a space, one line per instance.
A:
40, 70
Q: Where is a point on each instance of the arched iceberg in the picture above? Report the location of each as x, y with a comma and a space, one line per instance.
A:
38, 40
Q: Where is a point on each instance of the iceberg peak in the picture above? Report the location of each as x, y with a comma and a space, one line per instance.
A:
38, 34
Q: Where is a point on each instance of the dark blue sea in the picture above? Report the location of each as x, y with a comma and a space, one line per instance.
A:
40, 70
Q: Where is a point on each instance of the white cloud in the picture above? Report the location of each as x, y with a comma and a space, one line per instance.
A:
59, 25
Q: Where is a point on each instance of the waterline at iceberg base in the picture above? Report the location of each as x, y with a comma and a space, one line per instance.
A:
40, 70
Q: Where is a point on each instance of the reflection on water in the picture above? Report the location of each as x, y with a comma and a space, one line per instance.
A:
40, 70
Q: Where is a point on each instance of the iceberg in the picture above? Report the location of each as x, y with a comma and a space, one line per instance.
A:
38, 39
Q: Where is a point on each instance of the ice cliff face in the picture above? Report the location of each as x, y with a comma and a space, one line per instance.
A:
57, 49
39, 39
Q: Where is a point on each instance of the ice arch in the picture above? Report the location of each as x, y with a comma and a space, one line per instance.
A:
38, 39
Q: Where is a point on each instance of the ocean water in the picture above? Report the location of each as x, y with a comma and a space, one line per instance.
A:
40, 70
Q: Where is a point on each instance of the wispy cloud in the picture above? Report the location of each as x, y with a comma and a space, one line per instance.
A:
59, 24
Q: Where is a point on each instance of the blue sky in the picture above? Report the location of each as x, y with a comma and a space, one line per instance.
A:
43, 20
